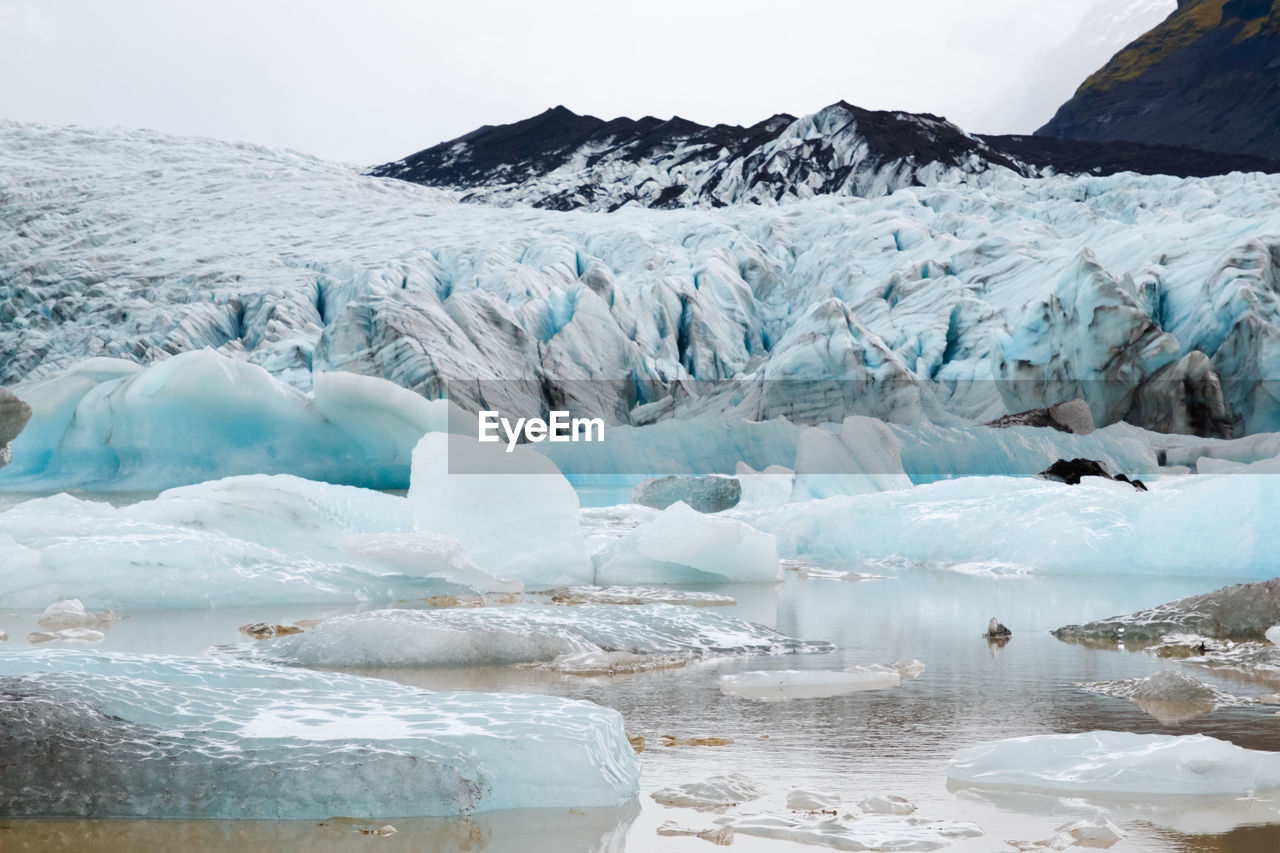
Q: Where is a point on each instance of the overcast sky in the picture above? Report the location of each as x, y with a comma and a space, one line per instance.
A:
372, 81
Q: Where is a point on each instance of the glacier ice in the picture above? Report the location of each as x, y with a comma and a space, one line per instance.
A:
1205, 525
1118, 763
110, 425
681, 545
386, 279
116, 735
499, 636
784, 684
514, 512
240, 541
864, 457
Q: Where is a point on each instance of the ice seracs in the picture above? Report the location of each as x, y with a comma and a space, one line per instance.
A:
97, 736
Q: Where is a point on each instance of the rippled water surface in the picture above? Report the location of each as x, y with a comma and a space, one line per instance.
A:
893, 741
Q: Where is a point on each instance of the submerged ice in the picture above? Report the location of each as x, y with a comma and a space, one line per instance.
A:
115, 735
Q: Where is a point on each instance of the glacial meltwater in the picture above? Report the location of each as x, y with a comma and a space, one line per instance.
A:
895, 741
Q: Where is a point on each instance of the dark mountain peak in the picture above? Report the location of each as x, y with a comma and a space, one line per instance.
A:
561, 160
1206, 77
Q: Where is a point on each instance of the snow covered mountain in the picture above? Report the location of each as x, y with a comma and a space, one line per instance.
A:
975, 293
564, 161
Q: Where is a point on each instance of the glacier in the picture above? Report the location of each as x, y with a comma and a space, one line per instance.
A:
118, 735
925, 301
1118, 763
502, 636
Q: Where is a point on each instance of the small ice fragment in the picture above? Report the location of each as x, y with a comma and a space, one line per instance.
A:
716, 792
265, 630
862, 832
70, 613
71, 635
722, 836
780, 685
637, 743
887, 805
671, 828
995, 630
909, 668
1094, 832
4, 636
1273, 635
811, 799
673, 740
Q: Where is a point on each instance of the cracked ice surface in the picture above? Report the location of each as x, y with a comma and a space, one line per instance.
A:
510, 635
115, 735
138, 246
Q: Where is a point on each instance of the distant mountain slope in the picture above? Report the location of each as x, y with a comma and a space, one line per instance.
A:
562, 161
1207, 77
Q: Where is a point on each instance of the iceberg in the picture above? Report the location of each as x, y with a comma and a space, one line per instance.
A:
114, 735
516, 515
501, 636
236, 542
1202, 525
681, 546
110, 425
1118, 763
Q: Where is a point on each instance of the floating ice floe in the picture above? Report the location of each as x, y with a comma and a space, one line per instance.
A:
811, 799
1118, 763
1171, 697
781, 685
722, 791
70, 613
855, 832
75, 636
680, 545
115, 735
627, 595
514, 635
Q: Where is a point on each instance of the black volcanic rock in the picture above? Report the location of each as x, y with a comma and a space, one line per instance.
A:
1072, 471
564, 161
1207, 77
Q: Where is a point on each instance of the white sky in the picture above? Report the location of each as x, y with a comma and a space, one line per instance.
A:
374, 81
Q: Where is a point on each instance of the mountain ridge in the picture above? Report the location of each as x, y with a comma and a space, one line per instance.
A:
561, 160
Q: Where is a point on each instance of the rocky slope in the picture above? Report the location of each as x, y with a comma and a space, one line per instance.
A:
1208, 77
